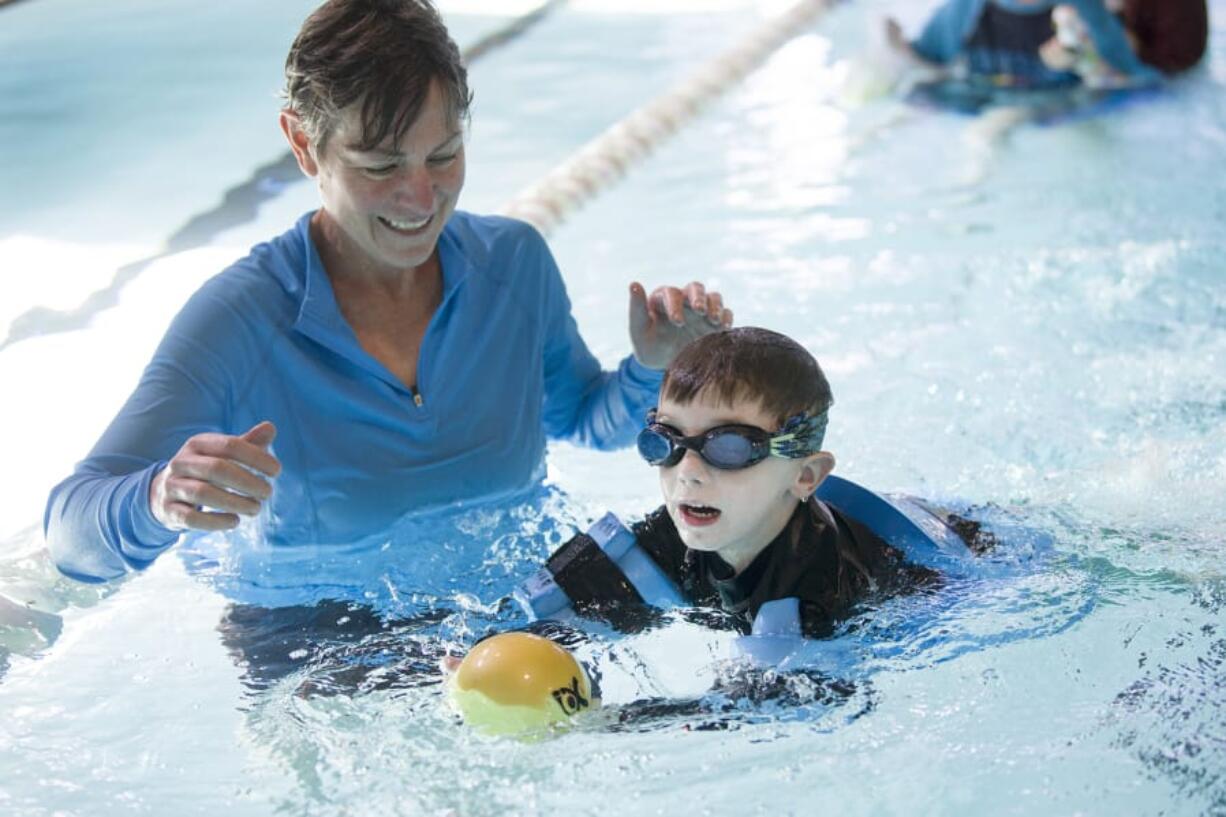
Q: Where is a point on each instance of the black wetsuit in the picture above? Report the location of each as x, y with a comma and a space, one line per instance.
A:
823, 557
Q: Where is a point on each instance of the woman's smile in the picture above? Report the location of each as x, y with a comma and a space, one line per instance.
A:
407, 226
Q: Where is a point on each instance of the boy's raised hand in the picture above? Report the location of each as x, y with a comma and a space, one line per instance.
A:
662, 323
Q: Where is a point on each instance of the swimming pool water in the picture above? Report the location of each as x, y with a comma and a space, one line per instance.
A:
1033, 320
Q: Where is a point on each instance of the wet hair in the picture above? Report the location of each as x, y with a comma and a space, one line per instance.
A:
752, 365
381, 54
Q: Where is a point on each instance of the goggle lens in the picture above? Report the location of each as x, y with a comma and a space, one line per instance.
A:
657, 448
728, 449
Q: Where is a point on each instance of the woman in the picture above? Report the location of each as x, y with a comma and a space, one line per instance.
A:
407, 354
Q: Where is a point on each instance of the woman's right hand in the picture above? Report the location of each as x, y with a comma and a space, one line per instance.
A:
219, 471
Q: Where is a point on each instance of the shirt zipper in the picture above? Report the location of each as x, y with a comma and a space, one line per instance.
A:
447, 296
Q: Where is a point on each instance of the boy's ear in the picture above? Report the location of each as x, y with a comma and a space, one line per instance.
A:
813, 470
299, 142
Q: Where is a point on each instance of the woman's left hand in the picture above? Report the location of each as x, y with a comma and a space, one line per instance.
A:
660, 325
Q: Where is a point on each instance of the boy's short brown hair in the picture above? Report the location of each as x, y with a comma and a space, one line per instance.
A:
750, 364
381, 54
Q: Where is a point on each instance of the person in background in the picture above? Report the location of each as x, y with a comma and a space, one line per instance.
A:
999, 42
386, 355
1169, 35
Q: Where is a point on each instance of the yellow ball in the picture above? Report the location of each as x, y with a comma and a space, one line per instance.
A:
515, 683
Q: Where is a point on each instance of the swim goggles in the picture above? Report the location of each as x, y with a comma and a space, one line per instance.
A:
732, 447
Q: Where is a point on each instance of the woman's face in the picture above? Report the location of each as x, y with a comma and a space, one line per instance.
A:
391, 203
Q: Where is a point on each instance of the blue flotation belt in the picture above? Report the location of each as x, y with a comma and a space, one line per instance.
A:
609, 563
606, 541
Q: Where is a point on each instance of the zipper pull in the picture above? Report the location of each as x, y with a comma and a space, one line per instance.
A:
417, 399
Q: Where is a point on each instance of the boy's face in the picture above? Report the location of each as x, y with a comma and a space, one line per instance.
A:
732, 513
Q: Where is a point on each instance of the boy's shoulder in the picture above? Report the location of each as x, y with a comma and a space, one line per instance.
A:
842, 563
830, 562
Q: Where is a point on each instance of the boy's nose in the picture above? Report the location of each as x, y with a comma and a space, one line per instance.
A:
692, 468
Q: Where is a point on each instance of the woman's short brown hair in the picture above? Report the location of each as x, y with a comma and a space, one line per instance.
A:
381, 54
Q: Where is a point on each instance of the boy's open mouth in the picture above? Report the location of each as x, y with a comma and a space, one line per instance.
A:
698, 515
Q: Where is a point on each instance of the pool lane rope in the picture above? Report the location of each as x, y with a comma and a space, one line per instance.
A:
606, 159
509, 32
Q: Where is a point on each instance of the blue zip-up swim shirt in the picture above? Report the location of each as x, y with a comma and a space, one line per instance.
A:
946, 34
501, 366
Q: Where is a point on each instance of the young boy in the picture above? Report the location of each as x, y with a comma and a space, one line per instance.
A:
737, 439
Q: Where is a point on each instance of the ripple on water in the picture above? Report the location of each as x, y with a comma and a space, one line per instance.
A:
1174, 718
